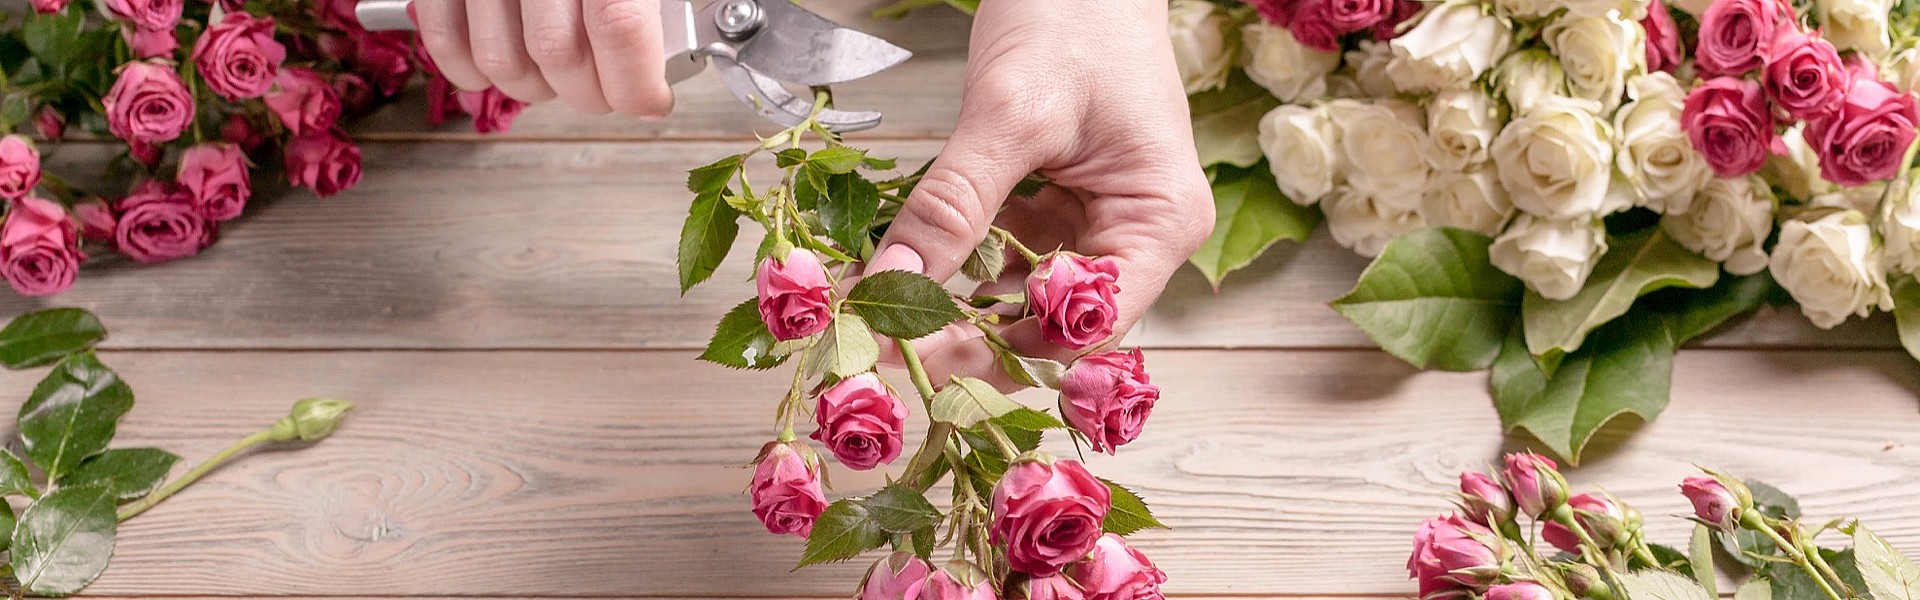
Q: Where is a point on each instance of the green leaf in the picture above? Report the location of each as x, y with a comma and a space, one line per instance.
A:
1889, 575
900, 509
712, 179
848, 208
742, 341
903, 305
879, 164
1757, 588
1433, 298
966, 401
1654, 584
1226, 122
789, 157
843, 531
1906, 312
1129, 513
923, 541
987, 260
1250, 215
1030, 371
845, 349
1635, 265
1702, 311
1770, 501
808, 186
15, 480
1027, 419
1700, 558
128, 472
836, 160
42, 337
7, 523
1790, 582
64, 539
72, 414
705, 238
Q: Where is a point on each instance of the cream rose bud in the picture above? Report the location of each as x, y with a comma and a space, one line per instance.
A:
1451, 46
1201, 46
1900, 231
1472, 200
1291, 71
1302, 151
1797, 171
1598, 54
1360, 222
1832, 265
1552, 256
1652, 151
1903, 70
1863, 198
1859, 25
1526, 77
1368, 61
1729, 223
1460, 126
1381, 146
1557, 161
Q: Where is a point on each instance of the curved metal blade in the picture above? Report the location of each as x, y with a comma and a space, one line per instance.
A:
797, 46
775, 103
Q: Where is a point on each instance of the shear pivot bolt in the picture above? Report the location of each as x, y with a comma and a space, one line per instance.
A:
738, 19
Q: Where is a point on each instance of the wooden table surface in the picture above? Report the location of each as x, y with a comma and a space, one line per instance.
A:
532, 422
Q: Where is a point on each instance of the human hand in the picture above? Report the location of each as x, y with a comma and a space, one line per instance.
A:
597, 56
1086, 93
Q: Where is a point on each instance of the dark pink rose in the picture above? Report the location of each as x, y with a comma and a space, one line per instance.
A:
215, 177
1805, 77
1403, 11
1866, 139
242, 132
1727, 120
324, 161
786, 489
1535, 482
238, 57
1048, 514
1312, 25
19, 167
899, 576
1348, 16
793, 295
1277, 12
1052, 587
958, 581
96, 219
1073, 296
1107, 397
304, 102
151, 15
1449, 554
1485, 501
492, 110
230, 5
1519, 590
1735, 36
1116, 571
339, 14
146, 153
385, 59
39, 248
1604, 521
48, 7
50, 124
860, 421
1713, 502
1663, 38
442, 104
356, 96
148, 104
158, 223
150, 43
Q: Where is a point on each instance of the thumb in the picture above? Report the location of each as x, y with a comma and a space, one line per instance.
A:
954, 203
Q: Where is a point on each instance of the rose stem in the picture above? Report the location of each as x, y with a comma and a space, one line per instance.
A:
194, 474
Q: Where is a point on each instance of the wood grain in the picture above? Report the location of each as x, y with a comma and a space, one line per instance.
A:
611, 473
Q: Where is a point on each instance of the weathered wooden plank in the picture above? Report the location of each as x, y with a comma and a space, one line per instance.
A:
588, 473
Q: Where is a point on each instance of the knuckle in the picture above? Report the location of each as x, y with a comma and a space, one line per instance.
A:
645, 102
947, 203
556, 46
623, 23
500, 60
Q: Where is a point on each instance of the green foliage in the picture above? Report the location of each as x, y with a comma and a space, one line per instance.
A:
845, 349
127, 473
1433, 298
1790, 582
1743, 544
72, 414
1027, 419
1129, 513
15, 480
900, 509
1888, 574
1030, 371
1700, 558
848, 207
712, 223
1250, 215
1226, 122
843, 531
1654, 584
1635, 265
63, 540
742, 341
966, 401
40, 338
987, 260
1906, 312
903, 305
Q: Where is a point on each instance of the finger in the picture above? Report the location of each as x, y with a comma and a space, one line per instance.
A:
443, 30
970, 358
557, 42
500, 50
625, 37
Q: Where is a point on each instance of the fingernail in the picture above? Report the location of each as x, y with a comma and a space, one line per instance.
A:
897, 257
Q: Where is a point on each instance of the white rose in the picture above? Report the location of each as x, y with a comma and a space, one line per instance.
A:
1201, 46
1903, 70
1369, 65
1362, 223
1523, 9
1452, 45
1832, 266
1527, 76
1557, 161
1798, 171
1341, 84
1553, 256
1292, 72
1598, 53
1471, 200
1461, 125
1900, 230
1653, 152
1633, 10
1864, 198
1859, 25
1301, 150
1381, 146
1729, 223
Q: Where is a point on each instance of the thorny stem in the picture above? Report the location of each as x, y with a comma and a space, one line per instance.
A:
1821, 563
1753, 521
1645, 554
794, 394
1001, 441
932, 448
1564, 516
194, 474
1032, 259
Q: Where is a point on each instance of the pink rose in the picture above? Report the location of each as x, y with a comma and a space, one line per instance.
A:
1107, 398
339, 13
1052, 587
150, 43
1116, 571
1519, 590
151, 15
1312, 25
39, 251
1535, 482
324, 161
304, 102
238, 57
1048, 514
385, 59
860, 421
1663, 38
1277, 12
1713, 502
1403, 11
1072, 295
1726, 118
1805, 77
148, 104
1348, 16
19, 167
96, 219
1604, 521
215, 177
356, 96
1866, 139
146, 153
1448, 554
441, 103
48, 7
1483, 498
793, 295
899, 576
786, 489
958, 581
50, 124
492, 110
1735, 36
158, 223
242, 132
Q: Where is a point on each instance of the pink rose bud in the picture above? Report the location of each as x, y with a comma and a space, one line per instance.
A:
1866, 139
1535, 482
150, 43
19, 167
1605, 521
1072, 295
214, 174
158, 222
786, 489
148, 104
1051, 587
355, 94
1107, 398
1663, 38
794, 293
1048, 513
39, 251
1356, 15
1727, 120
385, 59
304, 102
958, 581
324, 161
442, 106
1279, 13
50, 124
48, 7
145, 153
492, 110
1116, 571
1449, 554
242, 132
1805, 77
96, 219
1519, 590
1714, 503
1485, 501
1585, 581
238, 57
1735, 36
1312, 25
147, 14
899, 576
860, 421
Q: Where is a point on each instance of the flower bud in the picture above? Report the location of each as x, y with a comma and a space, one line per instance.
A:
1053, 587
1485, 501
1605, 521
1107, 398
1116, 570
1047, 513
1716, 503
959, 580
1073, 298
1519, 590
899, 576
1585, 581
793, 295
1450, 553
311, 420
1536, 483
